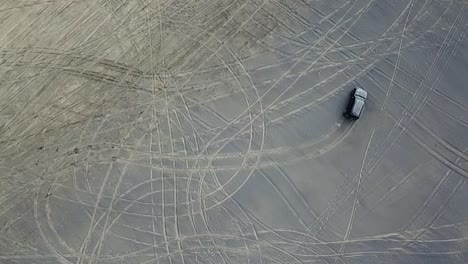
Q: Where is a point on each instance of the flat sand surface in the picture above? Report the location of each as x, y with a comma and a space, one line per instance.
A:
211, 131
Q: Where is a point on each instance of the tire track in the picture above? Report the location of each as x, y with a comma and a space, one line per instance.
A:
278, 96
420, 93
337, 203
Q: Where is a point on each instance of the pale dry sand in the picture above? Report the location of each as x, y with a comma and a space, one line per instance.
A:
210, 131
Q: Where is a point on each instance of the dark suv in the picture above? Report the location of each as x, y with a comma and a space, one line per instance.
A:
356, 103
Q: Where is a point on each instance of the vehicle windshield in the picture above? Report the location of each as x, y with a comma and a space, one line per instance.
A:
361, 93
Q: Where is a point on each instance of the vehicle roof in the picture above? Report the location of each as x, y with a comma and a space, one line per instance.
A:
361, 92
357, 107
